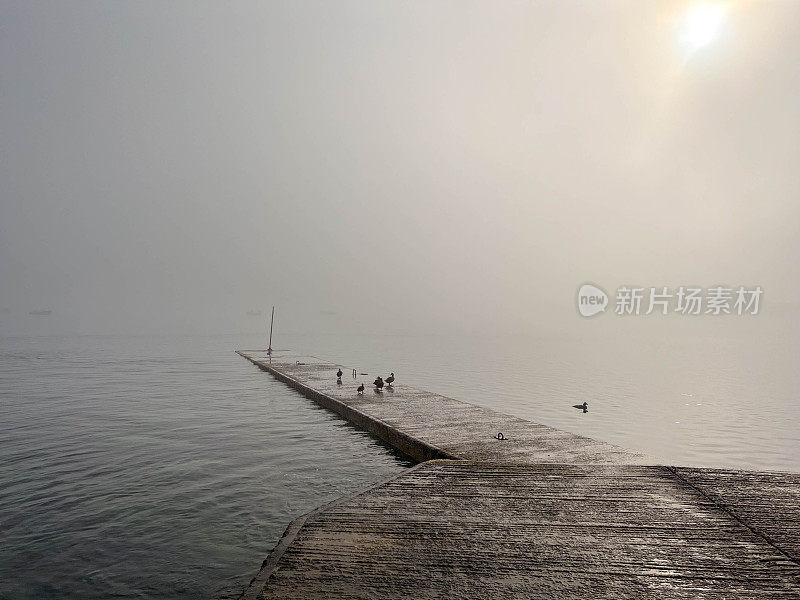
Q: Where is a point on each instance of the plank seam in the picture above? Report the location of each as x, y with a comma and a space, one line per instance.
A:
729, 510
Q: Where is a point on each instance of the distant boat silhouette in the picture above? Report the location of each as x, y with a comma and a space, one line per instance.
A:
42, 313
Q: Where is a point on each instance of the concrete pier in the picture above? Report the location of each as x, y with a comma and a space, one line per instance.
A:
543, 514
427, 426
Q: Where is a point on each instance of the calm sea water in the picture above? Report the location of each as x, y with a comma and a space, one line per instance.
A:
157, 467
720, 399
152, 467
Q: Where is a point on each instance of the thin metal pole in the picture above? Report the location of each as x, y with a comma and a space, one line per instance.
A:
272, 319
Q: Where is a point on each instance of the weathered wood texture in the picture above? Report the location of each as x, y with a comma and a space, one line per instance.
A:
451, 529
767, 501
425, 425
544, 514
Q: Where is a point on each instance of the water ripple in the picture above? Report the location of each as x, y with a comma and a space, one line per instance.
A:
157, 467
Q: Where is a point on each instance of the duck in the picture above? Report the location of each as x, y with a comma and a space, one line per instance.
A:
378, 383
390, 380
339, 374
361, 389
584, 406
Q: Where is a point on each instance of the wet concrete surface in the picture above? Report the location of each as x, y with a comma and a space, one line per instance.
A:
434, 426
544, 514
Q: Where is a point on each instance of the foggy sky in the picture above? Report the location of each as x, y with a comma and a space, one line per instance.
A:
386, 166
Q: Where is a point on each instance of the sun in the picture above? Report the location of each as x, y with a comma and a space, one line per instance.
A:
700, 25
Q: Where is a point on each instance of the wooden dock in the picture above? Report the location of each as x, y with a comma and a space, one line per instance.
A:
543, 514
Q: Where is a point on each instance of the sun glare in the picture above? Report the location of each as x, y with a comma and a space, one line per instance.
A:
700, 25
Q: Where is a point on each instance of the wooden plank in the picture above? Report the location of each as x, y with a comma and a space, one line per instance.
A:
768, 502
474, 530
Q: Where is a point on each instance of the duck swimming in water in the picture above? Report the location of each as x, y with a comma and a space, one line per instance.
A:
361, 389
390, 380
584, 407
378, 383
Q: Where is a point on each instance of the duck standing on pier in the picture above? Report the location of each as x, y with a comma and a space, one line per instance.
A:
378, 383
361, 389
390, 380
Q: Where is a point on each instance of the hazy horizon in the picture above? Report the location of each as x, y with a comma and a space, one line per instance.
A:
396, 167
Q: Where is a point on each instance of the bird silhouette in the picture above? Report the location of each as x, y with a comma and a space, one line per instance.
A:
339, 374
378, 383
361, 389
584, 406
390, 380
